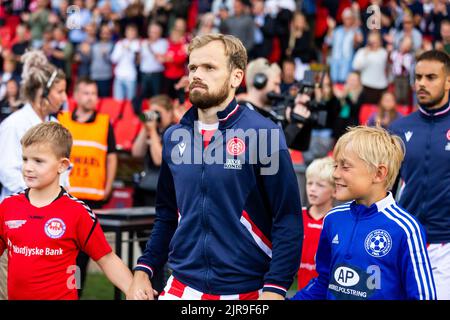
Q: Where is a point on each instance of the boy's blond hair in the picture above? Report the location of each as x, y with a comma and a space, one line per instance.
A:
321, 169
375, 146
234, 49
53, 133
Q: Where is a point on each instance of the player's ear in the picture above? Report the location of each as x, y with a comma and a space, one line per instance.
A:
237, 75
381, 173
64, 164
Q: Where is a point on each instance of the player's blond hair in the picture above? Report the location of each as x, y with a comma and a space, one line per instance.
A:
52, 133
375, 146
234, 49
321, 169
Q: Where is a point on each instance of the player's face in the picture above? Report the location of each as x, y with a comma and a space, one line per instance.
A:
432, 83
319, 191
210, 79
41, 167
352, 177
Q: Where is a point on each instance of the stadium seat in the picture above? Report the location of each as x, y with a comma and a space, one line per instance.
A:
126, 127
365, 112
112, 107
404, 109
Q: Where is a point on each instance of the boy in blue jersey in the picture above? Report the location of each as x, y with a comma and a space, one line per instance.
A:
370, 248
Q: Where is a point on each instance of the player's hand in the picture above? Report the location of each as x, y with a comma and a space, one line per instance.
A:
270, 296
141, 288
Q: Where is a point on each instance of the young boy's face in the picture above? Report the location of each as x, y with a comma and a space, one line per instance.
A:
352, 177
41, 167
318, 191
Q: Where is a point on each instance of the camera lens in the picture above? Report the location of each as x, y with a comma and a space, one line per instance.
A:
151, 115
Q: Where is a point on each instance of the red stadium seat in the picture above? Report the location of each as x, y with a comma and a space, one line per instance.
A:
404, 109
366, 111
112, 107
126, 127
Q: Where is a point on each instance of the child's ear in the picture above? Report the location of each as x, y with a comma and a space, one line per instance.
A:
381, 173
63, 165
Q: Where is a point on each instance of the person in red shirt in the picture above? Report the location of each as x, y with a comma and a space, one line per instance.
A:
320, 192
44, 227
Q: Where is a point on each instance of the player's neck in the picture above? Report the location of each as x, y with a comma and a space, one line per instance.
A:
319, 211
44, 196
209, 116
375, 195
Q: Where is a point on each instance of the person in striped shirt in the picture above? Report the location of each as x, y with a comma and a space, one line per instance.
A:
370, 247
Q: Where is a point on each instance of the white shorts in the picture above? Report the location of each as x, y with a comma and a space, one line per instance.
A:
175, 290
439, 254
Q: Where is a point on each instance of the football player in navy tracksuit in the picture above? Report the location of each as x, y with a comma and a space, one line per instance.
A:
230, 228
426, 168
369, 248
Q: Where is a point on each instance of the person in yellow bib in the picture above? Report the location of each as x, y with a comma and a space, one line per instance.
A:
93, 155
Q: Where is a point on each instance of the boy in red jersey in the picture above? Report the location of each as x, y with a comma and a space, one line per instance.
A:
320, 192
44, 227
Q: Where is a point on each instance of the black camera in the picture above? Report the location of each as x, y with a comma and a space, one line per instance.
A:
319, 113
150, 115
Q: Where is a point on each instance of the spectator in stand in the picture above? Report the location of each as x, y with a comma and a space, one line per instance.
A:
11, 101
151, 66
288, 76
62, 50
175, 59
386, 113
8, 72
444, 43
124, 55
402, 63
300, 40
21, 44
101, 70
240, 25
207, 24
343, 41
351, 101
83, 57
371, 62
80, 19
396, 36
133, 14
264, 31
161, 13
38, 21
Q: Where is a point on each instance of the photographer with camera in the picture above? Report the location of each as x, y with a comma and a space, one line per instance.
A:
325, 108
148, 146
264, 96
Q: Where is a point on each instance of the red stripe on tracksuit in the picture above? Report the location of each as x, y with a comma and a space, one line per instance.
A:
256, 230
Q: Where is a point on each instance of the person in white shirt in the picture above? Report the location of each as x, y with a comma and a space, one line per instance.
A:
151, 66
43, 87
124, 55
371, 62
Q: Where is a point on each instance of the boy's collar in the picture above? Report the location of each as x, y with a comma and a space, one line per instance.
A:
374, 208
385, 202
61, 193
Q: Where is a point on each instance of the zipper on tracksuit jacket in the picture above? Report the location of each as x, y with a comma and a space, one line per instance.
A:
348, 255
205, 224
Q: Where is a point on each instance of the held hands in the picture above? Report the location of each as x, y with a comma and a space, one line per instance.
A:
141, 288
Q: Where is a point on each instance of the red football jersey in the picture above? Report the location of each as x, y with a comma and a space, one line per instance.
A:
312, 229
43, 244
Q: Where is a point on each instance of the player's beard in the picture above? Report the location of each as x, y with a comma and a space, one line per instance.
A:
433, 103
206, 100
